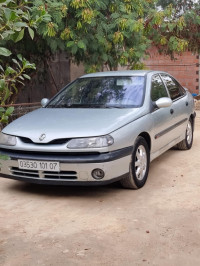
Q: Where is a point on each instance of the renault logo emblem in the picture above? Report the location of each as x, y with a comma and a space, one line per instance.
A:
42, 137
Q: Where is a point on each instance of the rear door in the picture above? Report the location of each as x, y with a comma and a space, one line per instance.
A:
179, 108
162, 117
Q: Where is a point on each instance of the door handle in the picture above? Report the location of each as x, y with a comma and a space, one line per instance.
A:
186, 103
171, 111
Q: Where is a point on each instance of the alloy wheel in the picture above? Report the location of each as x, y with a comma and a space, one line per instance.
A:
140, 162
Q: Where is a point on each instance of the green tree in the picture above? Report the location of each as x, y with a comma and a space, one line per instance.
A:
179, 5
97, 33
175, 32
118, 33
15, 20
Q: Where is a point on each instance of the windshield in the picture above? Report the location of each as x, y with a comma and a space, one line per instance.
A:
101, 92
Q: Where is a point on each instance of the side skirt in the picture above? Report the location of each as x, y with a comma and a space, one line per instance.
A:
166, 148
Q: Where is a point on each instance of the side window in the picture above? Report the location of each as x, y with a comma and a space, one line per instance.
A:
175, 89
158, 89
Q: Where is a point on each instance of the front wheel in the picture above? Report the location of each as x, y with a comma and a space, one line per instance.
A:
139, 165
186, 144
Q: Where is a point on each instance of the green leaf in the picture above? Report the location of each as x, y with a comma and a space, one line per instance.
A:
19, 56
70, 44
19, 36
2, 84
21, 77
2, 110
5, 52
27, 76
171, 26
7, 12
20, 24
13, 16
2, 1
26, 65
9, 70
31, 33
21, 82
9, 111
10, 14
74, 49
81, 45
6, 93
16, 62
115, 15
4, 119
7, 33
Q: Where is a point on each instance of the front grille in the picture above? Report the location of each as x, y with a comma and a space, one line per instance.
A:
25, 173
53, 142
60, 175
64, 175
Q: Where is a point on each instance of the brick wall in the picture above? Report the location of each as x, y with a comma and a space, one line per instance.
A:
185, 68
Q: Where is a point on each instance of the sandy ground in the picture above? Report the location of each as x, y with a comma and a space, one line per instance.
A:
156, 225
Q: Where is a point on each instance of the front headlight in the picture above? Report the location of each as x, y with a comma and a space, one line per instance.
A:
95, 142
7, 139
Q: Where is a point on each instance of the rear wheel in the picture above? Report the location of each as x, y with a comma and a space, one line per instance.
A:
139, 165
186, 144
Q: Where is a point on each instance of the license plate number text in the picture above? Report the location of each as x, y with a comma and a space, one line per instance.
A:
39, 165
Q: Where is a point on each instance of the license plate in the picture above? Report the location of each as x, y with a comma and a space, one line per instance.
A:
39, 165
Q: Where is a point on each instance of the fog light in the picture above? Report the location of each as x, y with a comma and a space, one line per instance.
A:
98, 174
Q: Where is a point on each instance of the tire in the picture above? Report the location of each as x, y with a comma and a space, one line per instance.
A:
186, 144
139, 166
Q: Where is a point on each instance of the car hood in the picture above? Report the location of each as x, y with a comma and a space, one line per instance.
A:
71, 123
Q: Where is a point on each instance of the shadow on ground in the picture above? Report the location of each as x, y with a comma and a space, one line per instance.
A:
64, 191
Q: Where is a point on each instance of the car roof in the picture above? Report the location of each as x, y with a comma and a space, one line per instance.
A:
117, 73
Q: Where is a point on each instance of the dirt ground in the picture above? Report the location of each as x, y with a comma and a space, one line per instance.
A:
156, 225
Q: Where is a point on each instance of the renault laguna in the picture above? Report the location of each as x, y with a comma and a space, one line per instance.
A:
101, 128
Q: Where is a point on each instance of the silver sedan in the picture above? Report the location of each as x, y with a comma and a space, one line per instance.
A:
101, 128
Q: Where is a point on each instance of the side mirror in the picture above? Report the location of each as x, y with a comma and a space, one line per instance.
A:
44, 102
163, 102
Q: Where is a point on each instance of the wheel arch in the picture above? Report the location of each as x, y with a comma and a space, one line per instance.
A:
147, 137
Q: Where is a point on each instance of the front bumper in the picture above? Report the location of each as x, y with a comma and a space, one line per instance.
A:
74, 170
